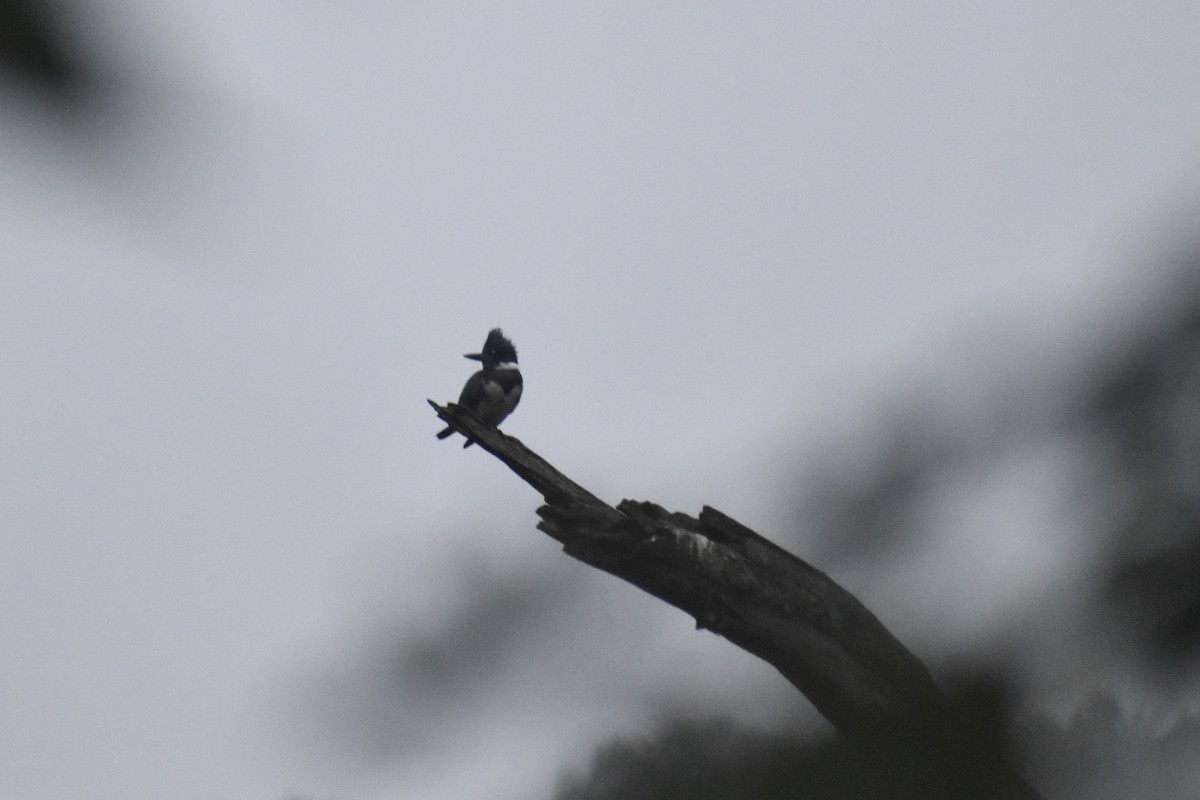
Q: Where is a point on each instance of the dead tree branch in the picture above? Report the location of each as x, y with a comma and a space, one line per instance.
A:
767, 601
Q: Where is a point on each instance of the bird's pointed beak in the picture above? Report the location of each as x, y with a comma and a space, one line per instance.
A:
474, 356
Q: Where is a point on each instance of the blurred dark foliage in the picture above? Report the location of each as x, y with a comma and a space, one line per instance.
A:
1135, 404
39, 50
1146, 406
492, 612
1100, 753
716, 760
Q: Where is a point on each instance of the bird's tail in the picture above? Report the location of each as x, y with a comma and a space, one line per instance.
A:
449, 431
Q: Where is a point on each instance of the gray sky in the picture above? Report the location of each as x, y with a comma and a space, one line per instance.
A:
709, 228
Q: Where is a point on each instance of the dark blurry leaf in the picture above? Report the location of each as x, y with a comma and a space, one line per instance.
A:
716, 760
1147, 408
37, 49
1160, 596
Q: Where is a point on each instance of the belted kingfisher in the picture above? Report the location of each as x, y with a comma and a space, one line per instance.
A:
492, 393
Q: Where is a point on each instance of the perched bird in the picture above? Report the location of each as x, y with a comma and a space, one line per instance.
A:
491, 394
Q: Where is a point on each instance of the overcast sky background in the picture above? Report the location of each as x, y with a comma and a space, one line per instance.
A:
721, 235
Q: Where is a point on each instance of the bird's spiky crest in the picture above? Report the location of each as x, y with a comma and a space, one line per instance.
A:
498, 348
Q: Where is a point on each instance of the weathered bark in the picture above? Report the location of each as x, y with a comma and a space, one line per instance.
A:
767, 601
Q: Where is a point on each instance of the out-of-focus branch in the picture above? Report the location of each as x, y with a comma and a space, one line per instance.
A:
767, 601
